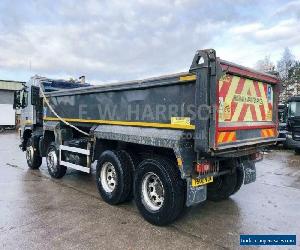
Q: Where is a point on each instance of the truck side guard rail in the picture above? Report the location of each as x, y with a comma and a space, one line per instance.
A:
75, 150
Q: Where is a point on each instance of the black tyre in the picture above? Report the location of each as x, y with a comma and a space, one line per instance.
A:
135, 159
297, 151
114, 176
1, 129
222, 187
159, 191
239, 179
34, 160
55, 170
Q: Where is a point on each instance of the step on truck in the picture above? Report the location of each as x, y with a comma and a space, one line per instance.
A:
167, 142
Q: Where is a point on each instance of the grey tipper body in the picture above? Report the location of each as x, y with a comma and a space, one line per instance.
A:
154, 140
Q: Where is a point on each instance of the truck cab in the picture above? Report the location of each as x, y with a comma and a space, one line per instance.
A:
282, 121
30, 102
293, 123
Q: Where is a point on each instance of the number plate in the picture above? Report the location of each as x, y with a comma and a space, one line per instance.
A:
203, 181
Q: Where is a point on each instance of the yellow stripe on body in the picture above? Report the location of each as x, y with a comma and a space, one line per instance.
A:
26, 122
125, 123
187, 78
179, 162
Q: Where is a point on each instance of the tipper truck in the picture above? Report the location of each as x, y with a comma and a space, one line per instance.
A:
167, 142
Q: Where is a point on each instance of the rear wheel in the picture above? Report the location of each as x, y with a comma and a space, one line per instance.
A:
159, 191
34, 160
1, 129
239, 179
297, 151
222, 187
114, 176
55, 170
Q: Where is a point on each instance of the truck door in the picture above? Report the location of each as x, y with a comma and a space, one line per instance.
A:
37, 103
294, 118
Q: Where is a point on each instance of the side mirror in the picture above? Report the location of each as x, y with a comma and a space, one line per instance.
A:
24, 99
35, 95
17, 99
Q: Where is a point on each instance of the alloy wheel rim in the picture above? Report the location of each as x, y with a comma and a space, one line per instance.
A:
108, 177
29, 154
52, 160
153, 193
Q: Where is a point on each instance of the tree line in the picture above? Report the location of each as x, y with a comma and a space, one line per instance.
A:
288, 69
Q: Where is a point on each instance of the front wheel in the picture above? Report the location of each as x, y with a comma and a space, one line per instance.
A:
55, 170
159, 191
34, 160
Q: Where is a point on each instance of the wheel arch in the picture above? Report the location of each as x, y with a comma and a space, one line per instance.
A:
177, 145
47, 138
135, 150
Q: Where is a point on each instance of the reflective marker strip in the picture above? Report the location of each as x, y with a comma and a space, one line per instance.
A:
269, 132
179, 162
226, 137
242, 99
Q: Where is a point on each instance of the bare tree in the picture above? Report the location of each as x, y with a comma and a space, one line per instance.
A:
285, 63
293, 79
265, 65
284, 67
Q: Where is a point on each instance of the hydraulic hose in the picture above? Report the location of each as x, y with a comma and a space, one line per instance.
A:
60, 118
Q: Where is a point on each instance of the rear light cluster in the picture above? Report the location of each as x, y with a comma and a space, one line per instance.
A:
207, 167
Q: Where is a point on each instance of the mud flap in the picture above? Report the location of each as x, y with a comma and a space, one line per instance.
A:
195, 195
249, 172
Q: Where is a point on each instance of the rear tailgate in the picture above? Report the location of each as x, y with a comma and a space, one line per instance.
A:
247, 107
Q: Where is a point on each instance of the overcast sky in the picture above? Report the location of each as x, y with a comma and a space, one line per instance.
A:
122, 40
